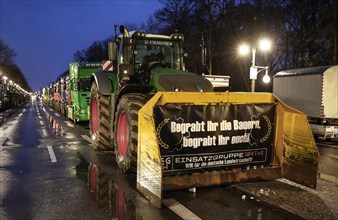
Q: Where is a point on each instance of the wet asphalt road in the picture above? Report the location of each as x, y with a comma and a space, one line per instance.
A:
328, 161
44, 161
32, 185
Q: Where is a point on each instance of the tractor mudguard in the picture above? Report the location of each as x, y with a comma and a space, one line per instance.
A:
191, 139
102, 81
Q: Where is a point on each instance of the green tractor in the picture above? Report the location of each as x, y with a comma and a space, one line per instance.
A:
79, 86
171, 127
142, 65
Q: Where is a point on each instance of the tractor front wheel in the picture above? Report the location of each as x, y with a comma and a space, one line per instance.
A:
126, 130
99, 121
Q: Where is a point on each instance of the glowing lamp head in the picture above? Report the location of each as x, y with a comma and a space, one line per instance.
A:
266, 78
264, 45
244, 49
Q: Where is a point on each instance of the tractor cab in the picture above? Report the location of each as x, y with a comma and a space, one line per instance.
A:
139, 53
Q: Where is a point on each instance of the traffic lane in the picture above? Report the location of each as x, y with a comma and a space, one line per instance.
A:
7, 131
117, 194
9, 170
17, 161
62, 126
35, 187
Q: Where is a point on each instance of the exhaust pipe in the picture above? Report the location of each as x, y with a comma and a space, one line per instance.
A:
125, 70
126, 42
124, 31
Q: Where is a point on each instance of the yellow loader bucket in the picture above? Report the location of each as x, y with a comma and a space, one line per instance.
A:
208, 139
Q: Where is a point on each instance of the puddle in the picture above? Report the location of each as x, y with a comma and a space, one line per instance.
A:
55, 125
82, 168
107, 194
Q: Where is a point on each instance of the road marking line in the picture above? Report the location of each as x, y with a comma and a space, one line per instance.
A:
51, 154
44, 133
87, 138
41, 123
179, 209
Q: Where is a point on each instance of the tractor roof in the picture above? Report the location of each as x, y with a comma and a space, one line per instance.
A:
133, 34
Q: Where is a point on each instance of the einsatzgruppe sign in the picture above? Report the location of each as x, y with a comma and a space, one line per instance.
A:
214, 136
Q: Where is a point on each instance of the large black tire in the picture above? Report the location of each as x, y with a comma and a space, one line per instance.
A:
99, 120
126, 130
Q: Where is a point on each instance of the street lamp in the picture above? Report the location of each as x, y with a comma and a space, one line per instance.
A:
264, 45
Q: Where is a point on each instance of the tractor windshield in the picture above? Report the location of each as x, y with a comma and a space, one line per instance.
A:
162, 51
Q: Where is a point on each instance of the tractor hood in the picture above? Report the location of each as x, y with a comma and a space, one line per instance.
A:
165, 79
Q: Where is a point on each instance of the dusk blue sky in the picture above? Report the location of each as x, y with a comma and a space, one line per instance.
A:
46, 33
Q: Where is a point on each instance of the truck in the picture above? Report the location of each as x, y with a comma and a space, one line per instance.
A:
174, 131
313, 91
78, 87
65, 94
56, 98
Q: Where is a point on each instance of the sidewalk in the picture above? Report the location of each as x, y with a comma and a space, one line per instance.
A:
307, 203
4, 115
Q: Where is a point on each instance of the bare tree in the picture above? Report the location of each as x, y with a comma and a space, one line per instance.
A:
303, 32
6, 54
310, 33
176, 15
210, 16
97, 51
9, 68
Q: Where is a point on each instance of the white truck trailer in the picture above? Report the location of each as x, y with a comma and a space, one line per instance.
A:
313, 91
219, 82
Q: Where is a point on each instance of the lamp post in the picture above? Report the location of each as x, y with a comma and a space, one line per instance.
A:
264, 45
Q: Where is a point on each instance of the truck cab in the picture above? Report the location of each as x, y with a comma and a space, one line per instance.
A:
79, 86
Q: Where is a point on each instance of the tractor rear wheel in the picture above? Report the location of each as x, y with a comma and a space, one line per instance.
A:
126, 130
99, 121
